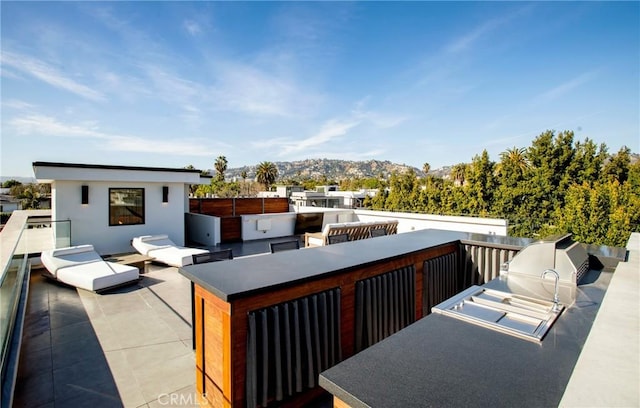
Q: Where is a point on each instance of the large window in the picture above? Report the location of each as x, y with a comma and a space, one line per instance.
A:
126, 206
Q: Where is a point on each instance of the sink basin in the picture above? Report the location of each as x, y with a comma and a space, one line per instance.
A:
521, 316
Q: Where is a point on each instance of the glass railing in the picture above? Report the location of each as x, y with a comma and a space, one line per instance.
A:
10, 290
37, 234
47, 233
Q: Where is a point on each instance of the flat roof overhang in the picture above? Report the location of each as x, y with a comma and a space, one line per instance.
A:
47, 172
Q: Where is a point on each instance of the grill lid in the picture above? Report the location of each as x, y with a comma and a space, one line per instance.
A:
559, 252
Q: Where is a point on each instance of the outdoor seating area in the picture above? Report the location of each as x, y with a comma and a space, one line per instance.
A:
81, 266
161, 249
355, 231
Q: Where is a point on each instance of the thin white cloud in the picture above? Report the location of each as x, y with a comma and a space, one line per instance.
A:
17, 104
137, 144
385, 121
250, 90
331, 130
49, 74
171, 87
192, 27
566, 87
48, 126
469, 39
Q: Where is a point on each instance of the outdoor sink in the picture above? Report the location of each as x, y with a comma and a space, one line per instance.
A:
521, 316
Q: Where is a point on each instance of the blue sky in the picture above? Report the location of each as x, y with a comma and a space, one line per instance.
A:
176, 83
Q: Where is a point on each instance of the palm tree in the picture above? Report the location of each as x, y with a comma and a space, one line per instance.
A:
221, 167
516, 157
266, 174
426, 167
458, 173
243, 174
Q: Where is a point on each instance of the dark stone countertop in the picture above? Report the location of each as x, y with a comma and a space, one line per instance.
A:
440, 361
241, 277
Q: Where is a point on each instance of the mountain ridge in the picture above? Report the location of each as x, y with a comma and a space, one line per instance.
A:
333, 169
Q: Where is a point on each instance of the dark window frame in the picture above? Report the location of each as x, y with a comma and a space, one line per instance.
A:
113, 218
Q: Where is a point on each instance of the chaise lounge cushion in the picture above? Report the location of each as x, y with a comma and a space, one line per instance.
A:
162, 249
82, 267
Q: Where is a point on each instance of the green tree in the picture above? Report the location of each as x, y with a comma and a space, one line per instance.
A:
480, 185
378, 201
511, 172
633, 179
458, 173
605, 213
266, 174
223, 189
221, 166
544, 187
618, 167
30, 195
11, 183
243, 174
588, 162
403, 191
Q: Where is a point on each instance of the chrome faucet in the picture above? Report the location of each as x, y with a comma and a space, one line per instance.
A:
556, 306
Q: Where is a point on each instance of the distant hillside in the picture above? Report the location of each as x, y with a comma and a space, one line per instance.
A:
342, 169
332, 169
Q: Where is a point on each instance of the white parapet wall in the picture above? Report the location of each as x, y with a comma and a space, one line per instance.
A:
202, 229
411, 222
261, 226
330, 215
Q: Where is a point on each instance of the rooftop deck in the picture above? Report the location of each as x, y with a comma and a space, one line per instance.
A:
84, 349
128, 347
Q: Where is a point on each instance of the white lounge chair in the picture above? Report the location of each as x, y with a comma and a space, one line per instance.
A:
160, 248
82, 267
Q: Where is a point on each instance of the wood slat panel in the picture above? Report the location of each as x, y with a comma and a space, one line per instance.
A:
228, 207
194, 206
219, 207
247, 206
230, 229
276, 205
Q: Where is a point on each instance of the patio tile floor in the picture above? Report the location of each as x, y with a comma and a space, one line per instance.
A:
130, 347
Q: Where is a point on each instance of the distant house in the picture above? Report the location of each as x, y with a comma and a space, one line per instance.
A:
109, 205
9, 203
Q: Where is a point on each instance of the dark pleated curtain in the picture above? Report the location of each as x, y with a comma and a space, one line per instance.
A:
384, 304
289, 344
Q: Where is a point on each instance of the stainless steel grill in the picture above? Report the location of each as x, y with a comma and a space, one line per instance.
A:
561, 253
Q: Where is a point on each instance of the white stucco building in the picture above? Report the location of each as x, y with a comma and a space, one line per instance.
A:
109, 205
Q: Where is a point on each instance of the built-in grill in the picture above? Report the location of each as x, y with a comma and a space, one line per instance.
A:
561, 253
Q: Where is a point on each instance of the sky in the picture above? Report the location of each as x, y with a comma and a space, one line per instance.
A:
171, 84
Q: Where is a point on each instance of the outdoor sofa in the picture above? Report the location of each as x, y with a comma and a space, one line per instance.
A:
161, 249
356, 230
81, 266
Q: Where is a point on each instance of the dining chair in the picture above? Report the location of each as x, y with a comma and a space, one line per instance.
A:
284, 246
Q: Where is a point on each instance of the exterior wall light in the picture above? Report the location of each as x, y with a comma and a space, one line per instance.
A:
85, 195
165, 194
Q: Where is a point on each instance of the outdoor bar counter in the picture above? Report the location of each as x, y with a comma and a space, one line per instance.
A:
441, 361
267, 325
